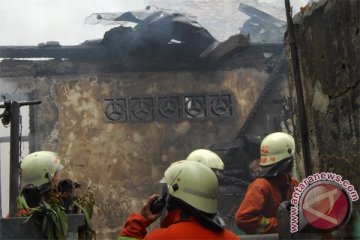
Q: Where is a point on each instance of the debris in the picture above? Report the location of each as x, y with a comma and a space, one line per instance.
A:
153, 34
261, 26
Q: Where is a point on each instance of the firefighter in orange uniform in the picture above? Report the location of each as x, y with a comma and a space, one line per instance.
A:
257, 213
191, 206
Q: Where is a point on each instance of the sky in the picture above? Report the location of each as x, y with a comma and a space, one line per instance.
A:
30, 22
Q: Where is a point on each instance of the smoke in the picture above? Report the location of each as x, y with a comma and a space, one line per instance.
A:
223, 18
25, 22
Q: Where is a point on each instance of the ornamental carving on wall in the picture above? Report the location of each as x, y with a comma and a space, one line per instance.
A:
167, 108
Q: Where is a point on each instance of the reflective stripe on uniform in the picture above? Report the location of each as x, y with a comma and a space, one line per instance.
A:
126, 238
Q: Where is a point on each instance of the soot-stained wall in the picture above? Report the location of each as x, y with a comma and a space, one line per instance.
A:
122, 162
328, 42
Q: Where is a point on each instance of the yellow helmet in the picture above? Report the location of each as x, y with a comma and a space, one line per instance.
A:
194, 183
38, 167
207, 157
276, 147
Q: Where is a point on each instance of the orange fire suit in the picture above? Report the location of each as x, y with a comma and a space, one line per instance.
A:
172, 227
257, 213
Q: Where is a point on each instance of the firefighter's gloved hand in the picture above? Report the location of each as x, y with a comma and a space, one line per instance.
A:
145, 211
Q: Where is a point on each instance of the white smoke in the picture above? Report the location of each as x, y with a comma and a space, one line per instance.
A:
223, 18
37, 21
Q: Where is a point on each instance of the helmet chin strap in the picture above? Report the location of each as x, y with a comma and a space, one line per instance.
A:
48, 176
46, 186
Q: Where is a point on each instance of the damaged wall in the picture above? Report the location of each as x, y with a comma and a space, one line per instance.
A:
328, 42
122, 162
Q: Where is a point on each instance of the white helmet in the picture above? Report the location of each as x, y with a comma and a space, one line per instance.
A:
38, 167
194, 183
276, 147
207, 157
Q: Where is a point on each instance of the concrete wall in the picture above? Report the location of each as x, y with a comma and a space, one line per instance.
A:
328, 42
122, 162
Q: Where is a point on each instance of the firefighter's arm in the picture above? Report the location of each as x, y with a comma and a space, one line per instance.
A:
249, 217
136, 224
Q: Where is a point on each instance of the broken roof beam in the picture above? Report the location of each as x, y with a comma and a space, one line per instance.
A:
265, 20
218, 51
55, 52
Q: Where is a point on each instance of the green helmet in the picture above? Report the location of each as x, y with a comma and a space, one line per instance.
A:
207, 157
38, 167
194, 183
276, 147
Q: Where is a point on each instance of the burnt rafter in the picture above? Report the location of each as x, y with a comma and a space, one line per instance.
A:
244, 142
167, 108
76, 52
88, 53
275, 77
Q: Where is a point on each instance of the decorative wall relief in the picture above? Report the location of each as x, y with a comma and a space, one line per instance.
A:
167, 108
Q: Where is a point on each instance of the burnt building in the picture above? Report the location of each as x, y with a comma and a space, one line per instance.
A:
121, 109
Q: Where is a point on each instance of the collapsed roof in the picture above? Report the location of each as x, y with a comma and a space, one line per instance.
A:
154, 34
162, 37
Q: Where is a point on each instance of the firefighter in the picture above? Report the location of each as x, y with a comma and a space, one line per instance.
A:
50, 199
39, 168
204, 156
258, 210
207, 157
39, 173
191, 206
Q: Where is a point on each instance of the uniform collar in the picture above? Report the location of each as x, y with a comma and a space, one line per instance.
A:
176, 216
